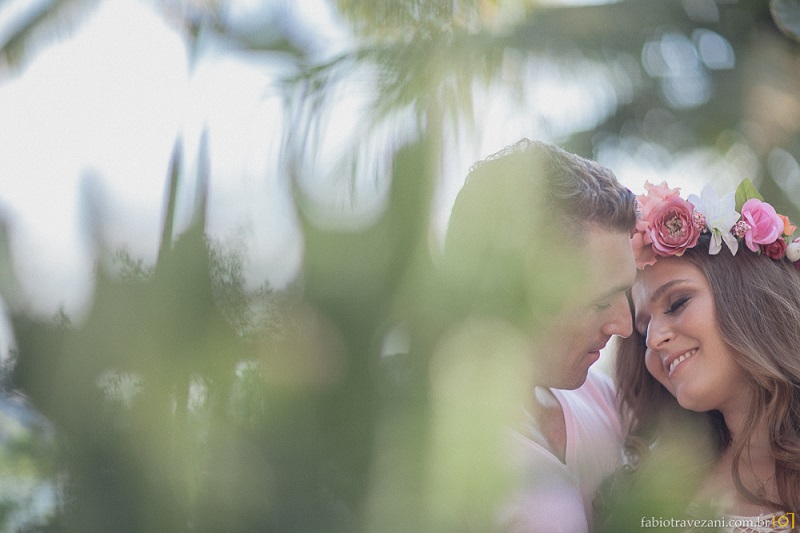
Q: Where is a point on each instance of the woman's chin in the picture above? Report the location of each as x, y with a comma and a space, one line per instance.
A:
690, 403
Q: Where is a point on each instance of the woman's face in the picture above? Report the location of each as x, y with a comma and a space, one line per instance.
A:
674, 312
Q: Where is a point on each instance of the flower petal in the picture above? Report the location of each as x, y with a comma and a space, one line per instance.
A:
716, 243
731, 241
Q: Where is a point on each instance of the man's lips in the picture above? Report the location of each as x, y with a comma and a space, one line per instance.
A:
597, 347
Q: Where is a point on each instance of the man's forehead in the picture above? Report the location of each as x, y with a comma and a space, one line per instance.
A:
610, 257
602, 265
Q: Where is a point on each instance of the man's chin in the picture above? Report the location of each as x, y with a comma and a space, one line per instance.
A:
575, 382
593, 357
569, 378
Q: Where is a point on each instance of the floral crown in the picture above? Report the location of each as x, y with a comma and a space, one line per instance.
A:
669, 225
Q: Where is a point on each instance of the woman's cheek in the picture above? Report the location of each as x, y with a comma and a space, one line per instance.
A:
656, 369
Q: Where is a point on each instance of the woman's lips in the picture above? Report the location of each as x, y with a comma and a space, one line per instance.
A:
676, 361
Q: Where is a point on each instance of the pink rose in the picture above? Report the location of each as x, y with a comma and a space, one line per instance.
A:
671, 227
641, 242
642, 251
654, 196
774, 250
765, 224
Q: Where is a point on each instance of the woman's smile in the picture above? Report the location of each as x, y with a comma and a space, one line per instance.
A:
675, 312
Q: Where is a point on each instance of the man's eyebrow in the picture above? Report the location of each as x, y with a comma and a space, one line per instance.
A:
612, 292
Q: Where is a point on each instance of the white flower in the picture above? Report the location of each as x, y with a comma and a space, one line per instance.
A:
720, 216
793, 251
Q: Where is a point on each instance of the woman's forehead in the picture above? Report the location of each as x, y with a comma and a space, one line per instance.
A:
651, 282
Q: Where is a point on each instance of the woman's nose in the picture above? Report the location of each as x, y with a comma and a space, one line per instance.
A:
658, 334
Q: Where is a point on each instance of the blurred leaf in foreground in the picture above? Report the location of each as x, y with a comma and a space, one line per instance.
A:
786, 14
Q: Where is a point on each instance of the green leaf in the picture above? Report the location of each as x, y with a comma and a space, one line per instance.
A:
745, 191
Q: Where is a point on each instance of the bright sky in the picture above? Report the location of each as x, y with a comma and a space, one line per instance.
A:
100, 112
82, 110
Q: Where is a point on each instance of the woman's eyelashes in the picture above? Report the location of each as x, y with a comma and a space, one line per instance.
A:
677, 305
672, 309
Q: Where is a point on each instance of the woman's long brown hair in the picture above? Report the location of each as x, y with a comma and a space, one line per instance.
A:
757, 304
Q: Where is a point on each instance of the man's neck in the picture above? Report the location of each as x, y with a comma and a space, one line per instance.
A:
549, 417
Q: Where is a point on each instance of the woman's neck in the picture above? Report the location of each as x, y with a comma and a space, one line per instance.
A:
755, 442
756, 464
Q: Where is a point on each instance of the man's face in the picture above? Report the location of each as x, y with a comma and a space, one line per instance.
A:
594, 311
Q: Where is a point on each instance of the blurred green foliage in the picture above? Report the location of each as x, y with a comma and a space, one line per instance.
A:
184, 401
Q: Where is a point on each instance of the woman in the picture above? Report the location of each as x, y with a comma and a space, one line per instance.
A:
716, 345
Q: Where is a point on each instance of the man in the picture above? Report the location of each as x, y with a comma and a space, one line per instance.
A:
541, 238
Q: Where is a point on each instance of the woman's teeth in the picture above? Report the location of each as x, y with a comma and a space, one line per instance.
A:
681, 359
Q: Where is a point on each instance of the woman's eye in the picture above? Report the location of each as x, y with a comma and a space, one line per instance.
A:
677, 304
